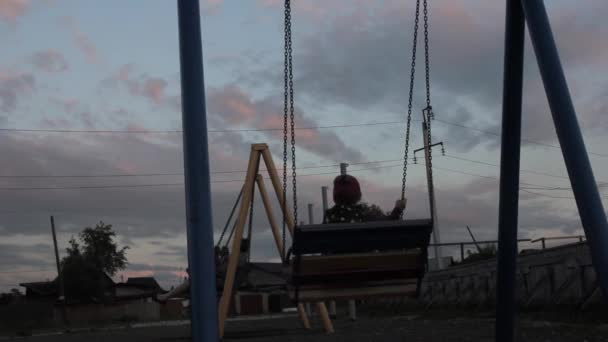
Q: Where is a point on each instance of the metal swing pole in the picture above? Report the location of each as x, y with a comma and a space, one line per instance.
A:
203, 292
506, 303
582, 180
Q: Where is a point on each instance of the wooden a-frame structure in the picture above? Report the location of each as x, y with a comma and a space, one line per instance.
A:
258, 153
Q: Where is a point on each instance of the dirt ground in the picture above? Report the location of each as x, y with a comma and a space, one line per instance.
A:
411, 327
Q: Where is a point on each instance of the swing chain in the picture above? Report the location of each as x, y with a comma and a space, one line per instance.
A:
427, 63
410, 99
285, 116
292, 120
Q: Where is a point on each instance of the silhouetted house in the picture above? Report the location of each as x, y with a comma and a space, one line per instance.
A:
41, 290
263, 289
49, 290
137, 288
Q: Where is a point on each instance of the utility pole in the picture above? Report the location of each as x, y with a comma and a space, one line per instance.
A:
429, 176
59, 275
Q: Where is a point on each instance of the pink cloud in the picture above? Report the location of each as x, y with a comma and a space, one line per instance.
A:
124, 72
49, 60
211, 6
10, 10
82, 40
235, 107
135, 127
154, 89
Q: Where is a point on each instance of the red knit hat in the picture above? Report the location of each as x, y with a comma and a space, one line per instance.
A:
346, 190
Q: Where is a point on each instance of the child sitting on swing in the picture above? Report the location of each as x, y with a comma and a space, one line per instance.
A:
348, 209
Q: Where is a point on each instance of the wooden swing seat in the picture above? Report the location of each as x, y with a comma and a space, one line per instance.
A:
358, 260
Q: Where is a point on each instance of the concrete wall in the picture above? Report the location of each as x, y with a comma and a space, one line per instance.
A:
555, 277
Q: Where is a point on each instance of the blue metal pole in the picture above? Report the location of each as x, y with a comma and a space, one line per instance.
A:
203, 293
509, 172
583, 183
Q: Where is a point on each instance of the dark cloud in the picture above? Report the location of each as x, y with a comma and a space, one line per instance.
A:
12, 86
22, 257
174, 251
361, 59
155, 268
49, 61
22, 263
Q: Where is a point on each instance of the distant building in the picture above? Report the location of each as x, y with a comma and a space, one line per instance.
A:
41, 290
137, 288
263, 289
134, 288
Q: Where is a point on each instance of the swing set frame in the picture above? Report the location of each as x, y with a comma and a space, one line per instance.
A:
518, 13
260, 153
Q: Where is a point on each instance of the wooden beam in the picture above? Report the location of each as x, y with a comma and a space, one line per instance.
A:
271, 218
233, 259
278, 187
303, 316
329, 327
289, 219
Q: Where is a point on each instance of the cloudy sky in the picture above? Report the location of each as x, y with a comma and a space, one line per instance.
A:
81, 80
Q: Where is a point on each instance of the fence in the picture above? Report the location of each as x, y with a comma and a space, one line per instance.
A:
464, 246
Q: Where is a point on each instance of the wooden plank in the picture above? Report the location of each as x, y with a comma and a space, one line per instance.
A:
270, 213
354, 278
278, 189
360, 238
233, 259
316, 265
361, 284
404, 290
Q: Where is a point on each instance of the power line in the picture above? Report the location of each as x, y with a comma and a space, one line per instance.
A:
496, 165
168, 184
522, 139
545, 195
227, 130
181, 173
243, 130
244, 171
537, 187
